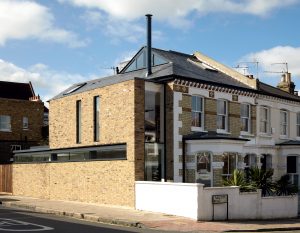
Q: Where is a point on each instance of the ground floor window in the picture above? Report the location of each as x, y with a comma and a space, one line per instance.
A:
153, 154
250, 160
292, 169
107, 152
230, 163
266, 161
203, 173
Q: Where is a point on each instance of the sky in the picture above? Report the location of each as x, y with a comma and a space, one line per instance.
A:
56, 43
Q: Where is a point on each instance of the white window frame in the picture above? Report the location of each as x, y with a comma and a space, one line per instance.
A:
201, 111
284, 124
251, 160
223, 115
248, 118
5, 123
266, 120
298, 124
236, 163
25, 123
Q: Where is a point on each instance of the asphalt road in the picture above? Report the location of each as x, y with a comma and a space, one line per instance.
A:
16, 220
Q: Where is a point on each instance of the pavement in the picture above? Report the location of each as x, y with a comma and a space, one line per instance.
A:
142, 219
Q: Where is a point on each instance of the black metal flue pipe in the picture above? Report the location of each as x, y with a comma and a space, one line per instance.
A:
149, 45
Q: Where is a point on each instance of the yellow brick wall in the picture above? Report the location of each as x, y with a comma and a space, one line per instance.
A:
210, 114
104, 182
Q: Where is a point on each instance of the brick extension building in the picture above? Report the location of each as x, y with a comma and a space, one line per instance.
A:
21, 118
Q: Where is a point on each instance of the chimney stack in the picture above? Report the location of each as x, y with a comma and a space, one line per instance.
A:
286, 83
149, 45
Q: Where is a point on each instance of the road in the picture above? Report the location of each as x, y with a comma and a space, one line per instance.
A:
17, 220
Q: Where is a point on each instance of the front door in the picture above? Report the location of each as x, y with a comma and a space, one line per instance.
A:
292, 168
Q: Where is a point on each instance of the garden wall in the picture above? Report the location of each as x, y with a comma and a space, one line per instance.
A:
194, 201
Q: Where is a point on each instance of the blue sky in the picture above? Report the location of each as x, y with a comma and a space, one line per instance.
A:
55, 43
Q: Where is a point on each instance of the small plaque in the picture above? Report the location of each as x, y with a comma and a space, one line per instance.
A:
241, 165
220, 199
235, 98
211, 94
217, 164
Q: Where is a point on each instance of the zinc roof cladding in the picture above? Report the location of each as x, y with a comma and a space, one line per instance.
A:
180, 64
14, 90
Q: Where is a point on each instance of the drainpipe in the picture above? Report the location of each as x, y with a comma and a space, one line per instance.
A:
164, 160
183, 160
149, 45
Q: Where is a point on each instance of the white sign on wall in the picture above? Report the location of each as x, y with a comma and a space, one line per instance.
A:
241, 165
217, 164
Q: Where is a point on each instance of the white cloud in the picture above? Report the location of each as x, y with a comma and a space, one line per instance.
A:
46, 82
27, 19
175, 12
279, 54
117, 30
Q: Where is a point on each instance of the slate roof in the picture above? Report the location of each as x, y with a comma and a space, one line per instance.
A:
289, 143
13, 90
211, 135
266, 89
179, 65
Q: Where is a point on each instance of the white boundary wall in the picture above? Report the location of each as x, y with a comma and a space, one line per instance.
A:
194, 201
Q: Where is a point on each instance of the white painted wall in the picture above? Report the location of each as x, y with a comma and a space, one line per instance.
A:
194, 201
170, 198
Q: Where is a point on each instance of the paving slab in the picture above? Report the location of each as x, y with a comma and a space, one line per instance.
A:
142, 219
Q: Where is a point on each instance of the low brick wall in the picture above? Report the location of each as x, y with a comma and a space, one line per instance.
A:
103, 182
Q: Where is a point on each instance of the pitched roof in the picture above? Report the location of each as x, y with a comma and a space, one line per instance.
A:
178, 65
14, 90
266, 89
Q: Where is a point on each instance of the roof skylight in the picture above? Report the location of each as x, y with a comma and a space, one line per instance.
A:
75, 88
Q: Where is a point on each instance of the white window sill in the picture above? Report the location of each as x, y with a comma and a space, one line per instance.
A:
25, 129
198, 129
265, 135
222, 131
246, 134
5, 130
